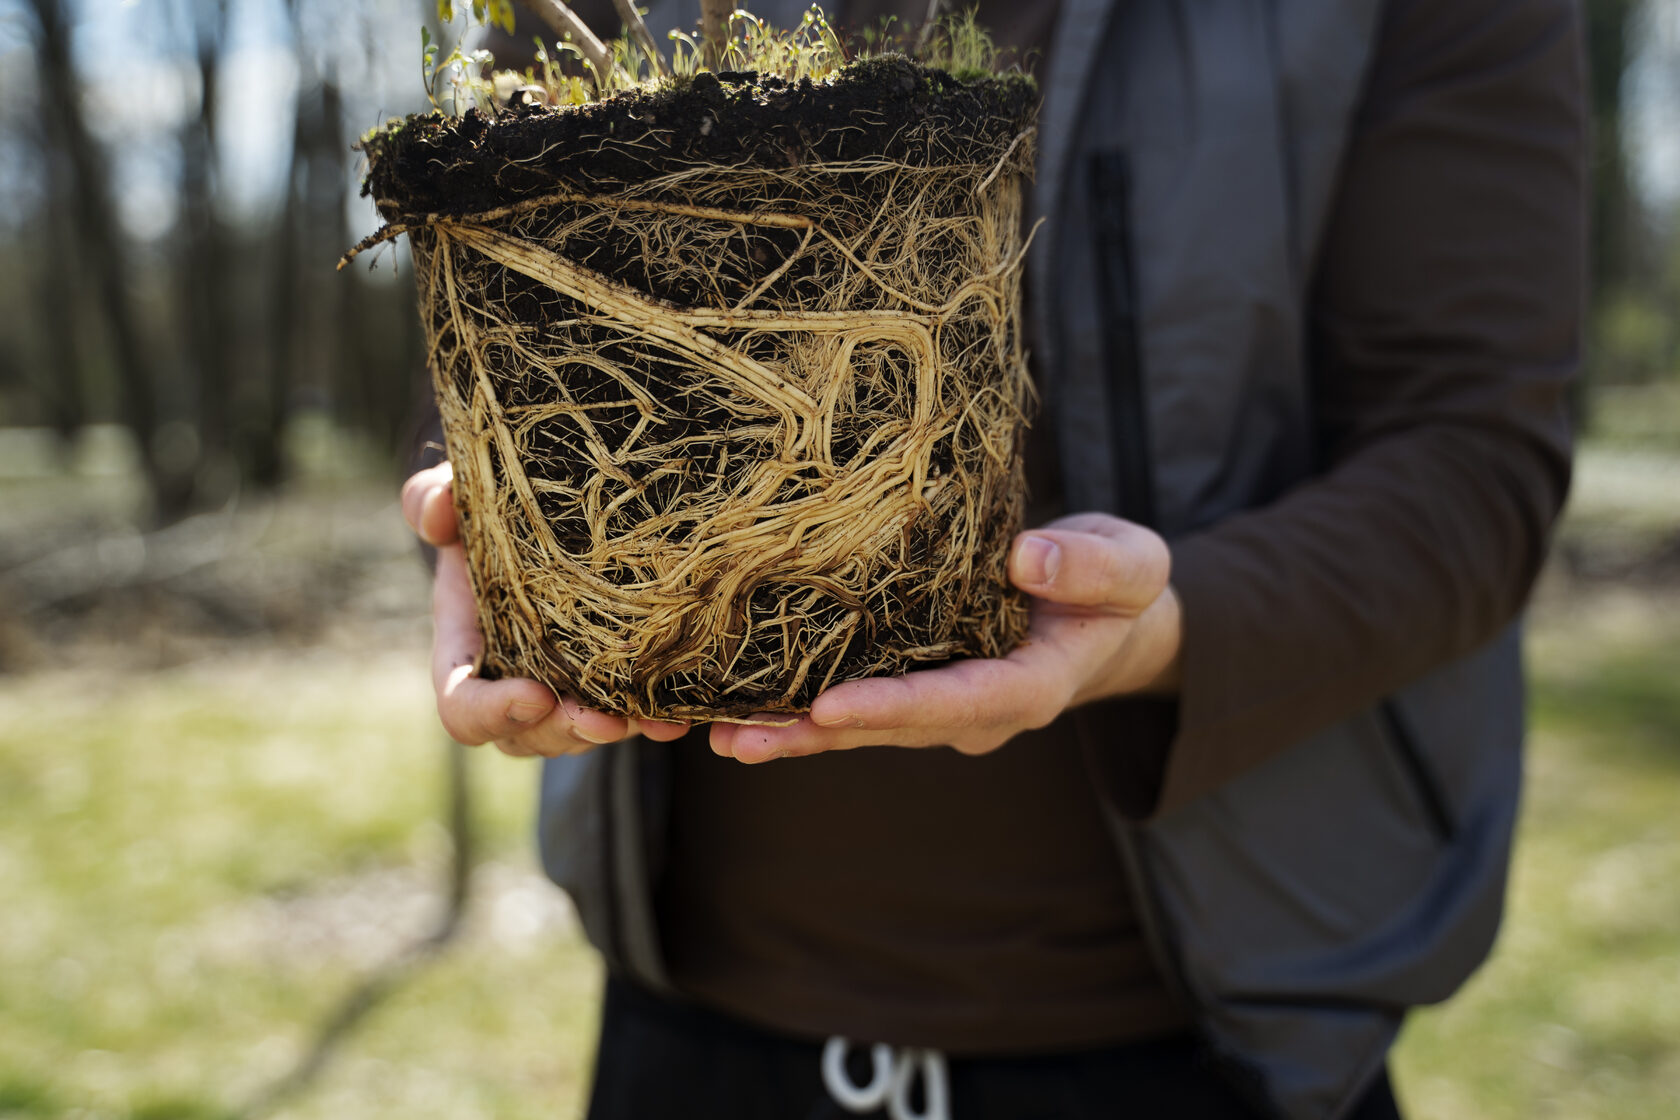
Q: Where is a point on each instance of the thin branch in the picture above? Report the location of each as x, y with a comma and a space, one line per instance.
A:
638, 29
565, 23
929, 22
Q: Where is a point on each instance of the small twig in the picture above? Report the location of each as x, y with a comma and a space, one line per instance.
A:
1024, 136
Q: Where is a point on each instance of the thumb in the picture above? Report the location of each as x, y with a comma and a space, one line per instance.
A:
1124, 568
428, 505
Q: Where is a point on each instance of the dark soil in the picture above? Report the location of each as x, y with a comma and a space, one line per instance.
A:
437, 165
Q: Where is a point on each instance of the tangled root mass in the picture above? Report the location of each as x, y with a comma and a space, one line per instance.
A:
731, 378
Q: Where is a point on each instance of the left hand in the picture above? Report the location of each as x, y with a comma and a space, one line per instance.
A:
1104, 623
523, 717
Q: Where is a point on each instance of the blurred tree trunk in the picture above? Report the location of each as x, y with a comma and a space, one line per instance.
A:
714, 28
323, 231
299, 314
97, 244
206, 302
266, 462
1614, 209
58, 301
288, 309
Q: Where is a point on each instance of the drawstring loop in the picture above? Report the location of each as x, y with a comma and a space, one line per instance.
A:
892, 1074
839, 1083
936, 1103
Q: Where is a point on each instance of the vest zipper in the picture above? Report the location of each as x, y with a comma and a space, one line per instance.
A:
1111, 196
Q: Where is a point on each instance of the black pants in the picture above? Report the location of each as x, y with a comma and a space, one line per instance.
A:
660, 1060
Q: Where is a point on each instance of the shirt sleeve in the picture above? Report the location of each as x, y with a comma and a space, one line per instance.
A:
1445, 324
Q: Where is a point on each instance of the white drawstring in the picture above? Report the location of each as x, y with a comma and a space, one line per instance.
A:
891, 1075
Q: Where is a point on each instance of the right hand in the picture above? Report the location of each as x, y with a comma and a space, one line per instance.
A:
522, 717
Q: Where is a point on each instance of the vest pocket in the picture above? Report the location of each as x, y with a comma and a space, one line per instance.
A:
1109, 183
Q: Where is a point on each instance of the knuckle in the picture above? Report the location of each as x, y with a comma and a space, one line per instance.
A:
1040, 713
976, 745
1148, 560
1160, 569
1113, 570
463, 730
451, 726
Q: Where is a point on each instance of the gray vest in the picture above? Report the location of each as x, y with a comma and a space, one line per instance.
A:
1188, 158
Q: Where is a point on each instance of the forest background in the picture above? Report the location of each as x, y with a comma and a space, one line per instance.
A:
242, 873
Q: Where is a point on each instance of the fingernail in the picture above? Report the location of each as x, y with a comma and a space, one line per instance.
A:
1039, 560
844, 719
580, 733
524, 711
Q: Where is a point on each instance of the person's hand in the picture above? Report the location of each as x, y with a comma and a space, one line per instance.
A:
522, 717
1104, 623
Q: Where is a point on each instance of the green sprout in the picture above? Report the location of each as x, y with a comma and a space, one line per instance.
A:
687, 54
962, 47
494, 13
811, 50
743, 42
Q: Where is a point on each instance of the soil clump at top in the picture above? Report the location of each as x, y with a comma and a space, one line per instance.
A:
877, 107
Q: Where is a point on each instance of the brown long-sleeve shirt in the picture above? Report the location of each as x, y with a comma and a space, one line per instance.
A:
976, 904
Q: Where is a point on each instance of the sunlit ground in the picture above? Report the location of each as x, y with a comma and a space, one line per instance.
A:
204, 845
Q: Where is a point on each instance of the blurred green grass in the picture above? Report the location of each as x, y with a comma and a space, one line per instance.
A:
1578, 1012
197, 862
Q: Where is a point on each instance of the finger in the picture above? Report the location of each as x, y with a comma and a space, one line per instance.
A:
476, 711
473, 711
456, 639
660, 730
1115, 565
438, 524
428, 504
769, 735
417, 486
513, 748
522, 717
971, 705
591, 726
558, 733
762, 742
938, 705
721, 738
